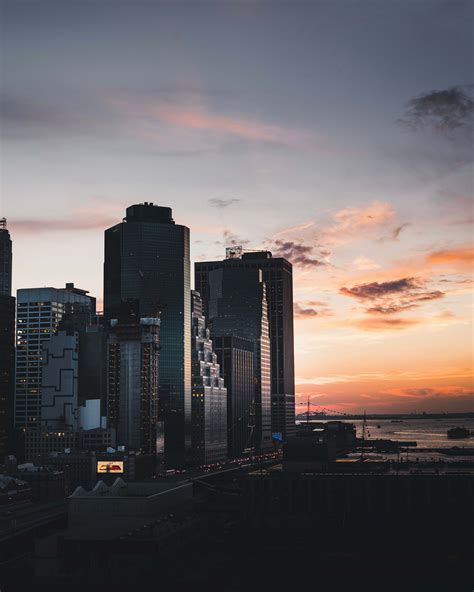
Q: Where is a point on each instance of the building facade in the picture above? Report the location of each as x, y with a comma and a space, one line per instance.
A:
278, 277
133, 371
7, 339
7, 370
6, 258
59, 382
39, 312
209, 396
147, 259
236, 358
39, 445
73, 379
238, 307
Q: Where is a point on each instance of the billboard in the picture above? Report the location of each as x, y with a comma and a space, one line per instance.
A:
110, 466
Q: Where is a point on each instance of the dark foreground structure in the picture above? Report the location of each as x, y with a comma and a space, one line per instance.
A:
262, 528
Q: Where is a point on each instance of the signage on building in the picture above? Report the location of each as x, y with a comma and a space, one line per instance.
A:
110, 466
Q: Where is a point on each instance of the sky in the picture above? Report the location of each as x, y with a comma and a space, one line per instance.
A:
337, 134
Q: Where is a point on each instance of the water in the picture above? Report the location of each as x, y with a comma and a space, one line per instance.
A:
427, 433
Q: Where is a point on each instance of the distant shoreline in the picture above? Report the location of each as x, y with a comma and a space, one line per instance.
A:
320, 416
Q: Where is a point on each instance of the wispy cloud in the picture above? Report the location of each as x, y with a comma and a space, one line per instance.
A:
377, 290
230, 239
394, 234
22, 114
310, 309
352, 221
428, 392
300, 254
303, 312
388, 298
217, 202
200, 118
98, 217
384, 324
458, 257
365, 264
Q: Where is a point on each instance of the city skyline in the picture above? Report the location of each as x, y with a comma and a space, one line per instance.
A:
295, 141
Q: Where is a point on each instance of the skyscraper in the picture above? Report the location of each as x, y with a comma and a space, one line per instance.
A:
5, 259
7, 338
59, 381
278, 277
133, 368
39, 311
238, 308
147, 259
74, 373
209, 397
236, 358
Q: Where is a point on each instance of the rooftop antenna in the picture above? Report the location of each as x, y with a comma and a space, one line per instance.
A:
3, 223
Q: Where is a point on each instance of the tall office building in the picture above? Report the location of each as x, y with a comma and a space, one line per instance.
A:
209, 397
5, 259
74, 360
133, 369
7, 338
238, 308
39, 311
147, 259
278, 277
59, 381
236, 358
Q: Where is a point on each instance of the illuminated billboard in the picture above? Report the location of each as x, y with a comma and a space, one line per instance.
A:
110, 466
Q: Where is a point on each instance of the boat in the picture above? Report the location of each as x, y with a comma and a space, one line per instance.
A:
458, 433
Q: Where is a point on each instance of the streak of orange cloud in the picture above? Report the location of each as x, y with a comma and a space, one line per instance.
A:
463, 256
384, 324
199, 118
98, 215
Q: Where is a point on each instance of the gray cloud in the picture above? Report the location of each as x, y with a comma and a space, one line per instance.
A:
217, 202
20, 112
233, 240
307, 310
440, 110
377, 290
389, 298
299, 253
394, 235
303, 312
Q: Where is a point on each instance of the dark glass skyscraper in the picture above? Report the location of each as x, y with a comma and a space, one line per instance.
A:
7, 338
5, 259
147, 259
238, 307
236, 359
133, 361
7, 369
278, 277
